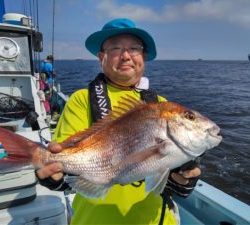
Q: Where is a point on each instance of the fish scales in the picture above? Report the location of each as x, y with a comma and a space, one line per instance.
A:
130, 135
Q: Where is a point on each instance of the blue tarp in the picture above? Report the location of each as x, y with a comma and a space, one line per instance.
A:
2, 10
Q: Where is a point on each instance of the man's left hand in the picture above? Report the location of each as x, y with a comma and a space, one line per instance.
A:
183, 177
182, 180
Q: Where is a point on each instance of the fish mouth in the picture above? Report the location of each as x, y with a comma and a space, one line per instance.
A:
215, 132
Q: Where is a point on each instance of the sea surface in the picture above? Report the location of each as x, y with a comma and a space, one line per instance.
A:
217, 89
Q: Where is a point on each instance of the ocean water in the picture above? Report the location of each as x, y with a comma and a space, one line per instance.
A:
217, 89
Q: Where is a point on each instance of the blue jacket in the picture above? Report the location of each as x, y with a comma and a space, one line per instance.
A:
47, 67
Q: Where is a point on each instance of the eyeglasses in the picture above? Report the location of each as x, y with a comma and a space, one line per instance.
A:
118, 50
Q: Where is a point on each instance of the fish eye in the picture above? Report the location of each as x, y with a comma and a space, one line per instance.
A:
189, 115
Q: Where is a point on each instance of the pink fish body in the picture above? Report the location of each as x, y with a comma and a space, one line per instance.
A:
137, 141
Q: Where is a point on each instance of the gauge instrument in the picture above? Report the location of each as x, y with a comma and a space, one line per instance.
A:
9, 49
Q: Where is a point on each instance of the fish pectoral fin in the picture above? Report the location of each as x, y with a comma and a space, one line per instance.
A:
85, 187
139, 156
157, 182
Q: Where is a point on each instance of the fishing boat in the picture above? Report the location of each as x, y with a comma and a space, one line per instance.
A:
22, 200
22, 110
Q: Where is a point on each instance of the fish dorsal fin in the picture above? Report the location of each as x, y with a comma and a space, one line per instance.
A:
81, 135
127, 104
131, 101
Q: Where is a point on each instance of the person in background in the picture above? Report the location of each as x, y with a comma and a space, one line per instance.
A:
122, 50
42, 82
47, 68
44, 99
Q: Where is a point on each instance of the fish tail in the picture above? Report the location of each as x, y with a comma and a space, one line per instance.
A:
16, 151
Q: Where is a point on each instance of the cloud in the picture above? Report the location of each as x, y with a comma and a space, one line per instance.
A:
223, 10
231, 11
133, 11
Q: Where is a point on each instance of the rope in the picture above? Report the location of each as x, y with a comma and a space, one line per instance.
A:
38, 27
37, 16
53, 34
44, 140
30, 10
24, 7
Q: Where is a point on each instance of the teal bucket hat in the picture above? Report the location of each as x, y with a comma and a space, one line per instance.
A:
120, 26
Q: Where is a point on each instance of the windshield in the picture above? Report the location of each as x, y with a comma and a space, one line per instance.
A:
14, 53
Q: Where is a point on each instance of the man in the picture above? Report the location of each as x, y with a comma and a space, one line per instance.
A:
122, 49
47, 68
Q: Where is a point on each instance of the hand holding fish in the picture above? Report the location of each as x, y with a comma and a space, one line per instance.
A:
183, 177
53, 170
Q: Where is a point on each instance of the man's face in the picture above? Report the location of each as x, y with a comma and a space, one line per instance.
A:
122, 59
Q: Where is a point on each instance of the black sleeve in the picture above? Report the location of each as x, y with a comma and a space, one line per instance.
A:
53, 185
179, 189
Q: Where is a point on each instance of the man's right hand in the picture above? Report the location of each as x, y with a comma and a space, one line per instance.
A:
53, 170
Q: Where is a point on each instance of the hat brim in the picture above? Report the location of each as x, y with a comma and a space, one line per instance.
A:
94, 41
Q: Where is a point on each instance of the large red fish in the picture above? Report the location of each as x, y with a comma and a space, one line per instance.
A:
137, 141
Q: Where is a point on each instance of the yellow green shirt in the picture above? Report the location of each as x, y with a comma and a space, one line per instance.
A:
123, 204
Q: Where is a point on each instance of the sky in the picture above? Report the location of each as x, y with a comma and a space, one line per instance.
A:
182, 29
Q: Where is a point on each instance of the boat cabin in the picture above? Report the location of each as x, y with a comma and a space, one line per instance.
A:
19, 102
